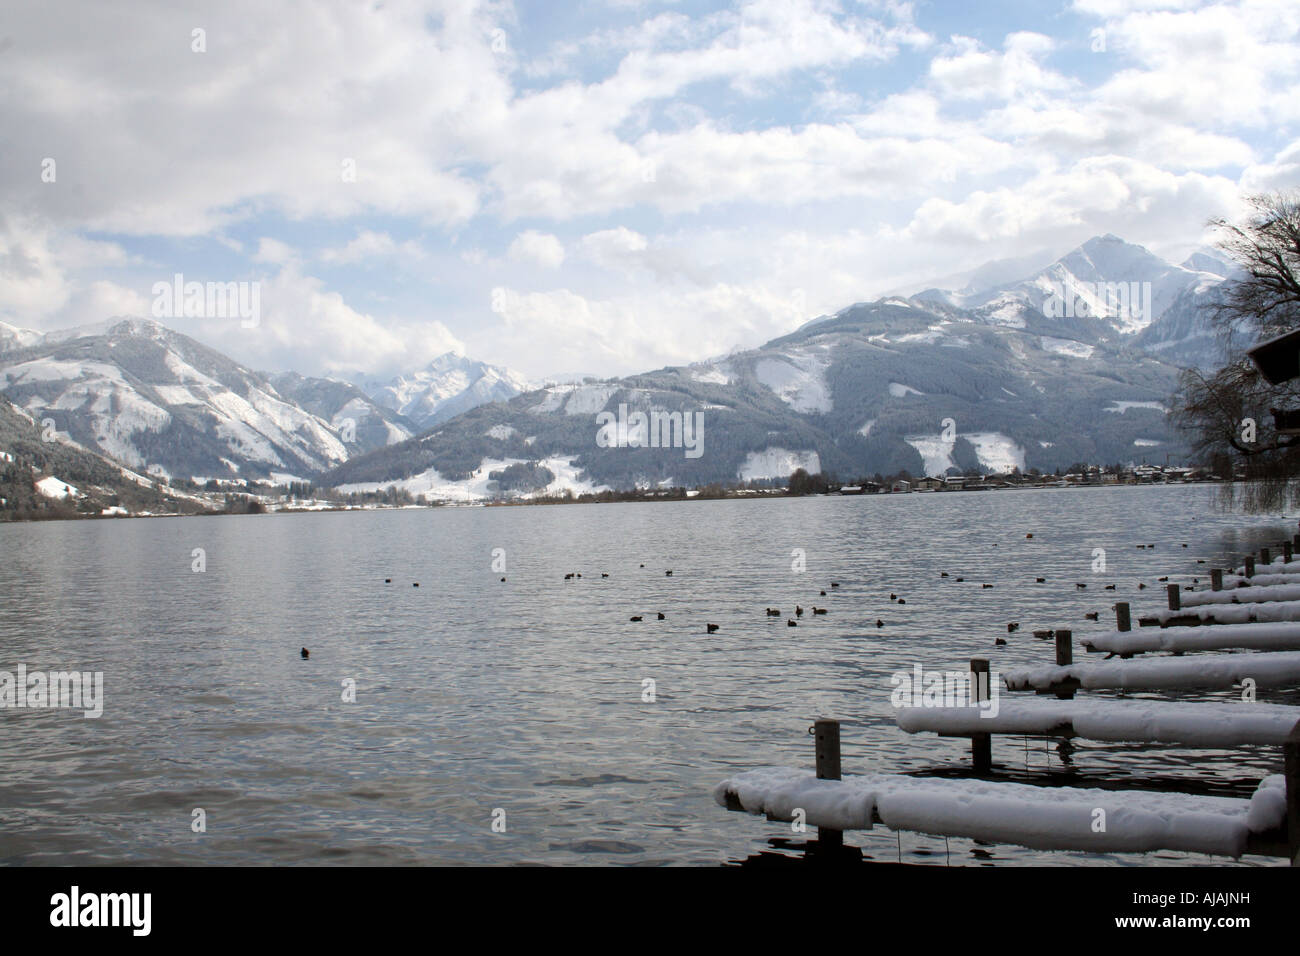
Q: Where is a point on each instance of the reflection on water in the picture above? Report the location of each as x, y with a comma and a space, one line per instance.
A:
529, 696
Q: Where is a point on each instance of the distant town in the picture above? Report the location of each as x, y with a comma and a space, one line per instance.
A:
52, 498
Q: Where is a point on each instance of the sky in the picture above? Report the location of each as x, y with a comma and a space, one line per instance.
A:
605, 187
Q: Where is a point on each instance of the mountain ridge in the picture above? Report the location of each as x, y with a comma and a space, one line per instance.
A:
1028, 379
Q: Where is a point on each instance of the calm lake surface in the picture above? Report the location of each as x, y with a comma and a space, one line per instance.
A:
474, 695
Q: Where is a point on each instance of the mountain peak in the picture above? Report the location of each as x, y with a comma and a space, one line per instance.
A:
13, 337
1110, 252
454, 359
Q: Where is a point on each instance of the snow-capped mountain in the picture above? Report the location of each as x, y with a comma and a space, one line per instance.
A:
1020, 375
350, 412
39, 478
1040, 371
12, 337
1106, 289
446, 387
160, 402
1211, 261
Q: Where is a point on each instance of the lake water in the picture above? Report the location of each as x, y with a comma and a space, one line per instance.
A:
474, 695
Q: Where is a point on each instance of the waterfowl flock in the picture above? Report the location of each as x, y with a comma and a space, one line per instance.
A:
776, 612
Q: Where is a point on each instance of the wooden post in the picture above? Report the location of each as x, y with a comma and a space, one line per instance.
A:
1064, 658
981, 745
1291, 752
1250, 565
1175, 601
1287, 552
826, 733
1216, 579
1264, 556
1295, 541
1123, 622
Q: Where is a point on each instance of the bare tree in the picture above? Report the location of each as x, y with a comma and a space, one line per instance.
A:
1266, 245
1228, 415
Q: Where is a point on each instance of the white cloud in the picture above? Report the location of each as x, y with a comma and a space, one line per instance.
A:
369, 244
971, 72
151, 137
1095, 195
691, 181
274, 251
1282, 173
310, 328
1234, 64
39, 267
627, 333
613, 248
537, 248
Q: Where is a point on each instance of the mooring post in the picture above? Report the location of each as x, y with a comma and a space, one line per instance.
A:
826, 733
1291, 751
1122, 620
1250, 565
1064, 658
1216, 579
1175, 600
1264, 557
1287, 552
1295, 541
981, 745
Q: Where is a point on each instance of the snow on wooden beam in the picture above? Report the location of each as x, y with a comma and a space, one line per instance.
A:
1224, 614
1041, 818
1278, 565
1193, 724
1162, 673
1241, 581
1253, 637
1250, 595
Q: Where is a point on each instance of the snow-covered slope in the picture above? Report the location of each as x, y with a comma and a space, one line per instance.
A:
159, 401
1106, 289
361, 422
12, 337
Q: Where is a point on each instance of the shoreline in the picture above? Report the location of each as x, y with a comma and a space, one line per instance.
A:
677, 495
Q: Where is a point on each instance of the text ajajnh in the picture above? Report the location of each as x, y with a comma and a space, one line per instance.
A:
656, 430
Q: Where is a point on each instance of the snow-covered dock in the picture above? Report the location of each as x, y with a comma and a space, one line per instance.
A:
1257, 616
1042, 818
1247, 595
1224, 614
1195, 725
1252, 637
1241, 581
1278, 565
1161, 673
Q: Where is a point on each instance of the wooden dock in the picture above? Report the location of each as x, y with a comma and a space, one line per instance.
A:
1110, 819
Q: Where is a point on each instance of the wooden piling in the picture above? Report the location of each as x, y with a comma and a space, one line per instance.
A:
826, 734
981, 745
1175, 599
1123, 622
1216, 579
1291, 752
1064, 658
1250, 565
1264, 556
1295, 541
1287, 552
